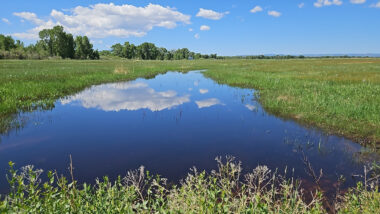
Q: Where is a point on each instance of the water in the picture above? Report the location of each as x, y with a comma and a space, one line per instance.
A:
169, 124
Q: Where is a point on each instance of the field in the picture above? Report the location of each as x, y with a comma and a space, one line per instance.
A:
340, 96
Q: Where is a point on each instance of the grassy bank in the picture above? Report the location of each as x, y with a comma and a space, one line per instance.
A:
224, 190
340, 96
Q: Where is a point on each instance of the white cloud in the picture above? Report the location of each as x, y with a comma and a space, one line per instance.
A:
256, 9
204, 27
376, 5
274, 13
208, 103
203, 91
32, 17
197, 36
321, 3
126, 96
190, 29
357, 1
103, 20
210, 14
301, 5
5, 21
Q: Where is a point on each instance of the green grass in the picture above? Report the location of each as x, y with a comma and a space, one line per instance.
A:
224, 190
340, 96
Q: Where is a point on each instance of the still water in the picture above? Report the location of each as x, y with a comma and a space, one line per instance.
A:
169, 124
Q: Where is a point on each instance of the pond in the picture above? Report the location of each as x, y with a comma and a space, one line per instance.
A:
169, 124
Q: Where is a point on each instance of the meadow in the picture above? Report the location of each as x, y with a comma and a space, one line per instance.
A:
339, 96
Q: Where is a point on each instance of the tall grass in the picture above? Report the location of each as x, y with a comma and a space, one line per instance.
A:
224, 190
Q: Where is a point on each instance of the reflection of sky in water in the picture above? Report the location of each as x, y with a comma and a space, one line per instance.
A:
208, 102
169, 124
127, 96
133, 96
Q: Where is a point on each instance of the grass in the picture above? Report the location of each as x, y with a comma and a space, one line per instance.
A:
340, 96
224, 190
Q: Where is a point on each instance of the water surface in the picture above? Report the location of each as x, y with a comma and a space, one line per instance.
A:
169, 124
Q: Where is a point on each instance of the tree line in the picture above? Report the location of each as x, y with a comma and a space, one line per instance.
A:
53, 42
149, 51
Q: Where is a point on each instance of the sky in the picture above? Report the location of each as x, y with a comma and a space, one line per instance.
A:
225, 27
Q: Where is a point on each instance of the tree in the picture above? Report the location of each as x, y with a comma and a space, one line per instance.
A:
58, 42
162, 53
128, 50
117, 50
182, 53
7, 43
83, 48
147, 51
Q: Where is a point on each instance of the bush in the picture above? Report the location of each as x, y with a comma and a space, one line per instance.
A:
221, 191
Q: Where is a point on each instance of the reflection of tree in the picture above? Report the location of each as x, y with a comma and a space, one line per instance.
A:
17, 121
10, 122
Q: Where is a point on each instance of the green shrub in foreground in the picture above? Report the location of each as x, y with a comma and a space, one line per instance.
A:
221, 191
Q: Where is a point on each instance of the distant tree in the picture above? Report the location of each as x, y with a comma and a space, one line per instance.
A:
117, 49
84, 49
7, 43
87, 47
105, 53
128, 50
58, 42
147, 51
162, 53
205, 56
182, 53
94, 55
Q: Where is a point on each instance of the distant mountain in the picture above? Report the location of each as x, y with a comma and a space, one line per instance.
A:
350, 54
320, 55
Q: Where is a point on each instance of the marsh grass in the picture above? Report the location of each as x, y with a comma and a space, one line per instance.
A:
340, 96
224, 190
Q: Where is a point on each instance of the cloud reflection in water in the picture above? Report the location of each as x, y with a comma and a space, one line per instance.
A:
208, 103
127, 96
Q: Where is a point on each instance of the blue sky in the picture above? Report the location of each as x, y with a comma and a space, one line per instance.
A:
229, 27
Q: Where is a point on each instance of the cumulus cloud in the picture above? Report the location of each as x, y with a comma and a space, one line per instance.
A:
256, 9
5, 20
321, 3
301, 5
357, 1
126, 96
210, 14
197, 36
32, 17
274, 13
103, 20
208, 102
205, 27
